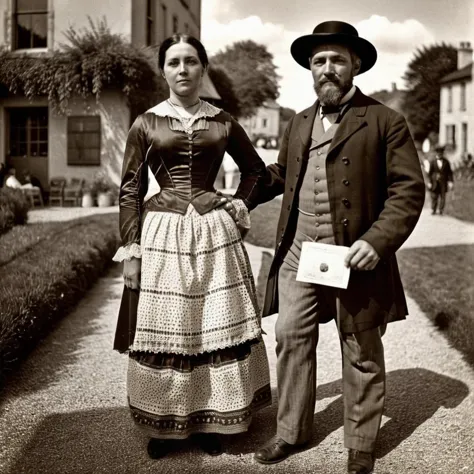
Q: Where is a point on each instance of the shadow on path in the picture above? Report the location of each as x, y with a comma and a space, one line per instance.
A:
106, 440
413, 397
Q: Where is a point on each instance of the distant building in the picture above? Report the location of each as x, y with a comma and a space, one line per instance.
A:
93, 136
456, 124
264, 124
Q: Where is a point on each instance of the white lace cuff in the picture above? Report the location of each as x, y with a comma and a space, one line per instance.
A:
127, 252
243, 216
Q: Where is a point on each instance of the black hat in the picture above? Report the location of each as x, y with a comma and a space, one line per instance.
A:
439, 149
334, 32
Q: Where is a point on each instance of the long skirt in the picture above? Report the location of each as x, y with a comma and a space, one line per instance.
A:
198, 362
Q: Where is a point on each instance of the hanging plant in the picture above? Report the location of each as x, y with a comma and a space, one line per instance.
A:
93, 60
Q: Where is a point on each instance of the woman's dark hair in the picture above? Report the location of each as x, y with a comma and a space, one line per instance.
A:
178, 38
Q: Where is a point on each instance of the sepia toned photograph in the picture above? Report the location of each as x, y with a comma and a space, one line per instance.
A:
236, 236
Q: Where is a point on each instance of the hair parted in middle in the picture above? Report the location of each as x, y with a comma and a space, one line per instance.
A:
182, 38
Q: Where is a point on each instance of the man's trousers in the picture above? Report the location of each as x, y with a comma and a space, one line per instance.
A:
438, 196
301, 306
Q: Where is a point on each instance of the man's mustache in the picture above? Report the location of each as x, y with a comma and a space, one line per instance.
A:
330, 81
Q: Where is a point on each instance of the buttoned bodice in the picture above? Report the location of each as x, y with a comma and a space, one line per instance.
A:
185, 162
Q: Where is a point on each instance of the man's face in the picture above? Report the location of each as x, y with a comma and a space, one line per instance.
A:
333, 71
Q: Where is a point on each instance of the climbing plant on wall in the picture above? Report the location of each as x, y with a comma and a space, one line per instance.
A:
93, 60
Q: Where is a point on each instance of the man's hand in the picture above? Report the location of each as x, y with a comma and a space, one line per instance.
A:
361, 256
450, 185
131, 273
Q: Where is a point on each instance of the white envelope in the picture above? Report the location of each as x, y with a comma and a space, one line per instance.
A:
323, 264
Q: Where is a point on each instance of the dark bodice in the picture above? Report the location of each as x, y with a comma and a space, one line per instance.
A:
185, 165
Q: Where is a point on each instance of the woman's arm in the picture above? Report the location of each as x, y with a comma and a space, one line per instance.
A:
130, 203
251, 166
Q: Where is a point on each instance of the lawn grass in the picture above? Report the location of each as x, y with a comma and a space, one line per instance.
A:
20, 239
440, 280
264, 224
46, 279
460, 201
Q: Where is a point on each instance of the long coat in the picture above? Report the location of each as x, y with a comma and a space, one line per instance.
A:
439, 177
376, 193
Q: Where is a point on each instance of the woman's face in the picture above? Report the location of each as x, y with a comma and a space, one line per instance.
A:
183, 70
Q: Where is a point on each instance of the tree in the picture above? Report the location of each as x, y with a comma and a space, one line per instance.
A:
428, 66
225, 87
250, 67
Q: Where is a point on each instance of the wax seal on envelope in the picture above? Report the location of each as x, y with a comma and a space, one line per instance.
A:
324, 267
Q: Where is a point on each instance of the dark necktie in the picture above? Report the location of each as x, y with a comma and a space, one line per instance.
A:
331, 109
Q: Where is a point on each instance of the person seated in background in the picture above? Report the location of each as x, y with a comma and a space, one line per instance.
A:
13, 182
35, 183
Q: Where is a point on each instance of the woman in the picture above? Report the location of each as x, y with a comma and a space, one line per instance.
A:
197, 362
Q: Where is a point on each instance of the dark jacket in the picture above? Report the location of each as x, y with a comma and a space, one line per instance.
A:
439, 177
376, 193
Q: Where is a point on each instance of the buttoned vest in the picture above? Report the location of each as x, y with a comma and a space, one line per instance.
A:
314, 216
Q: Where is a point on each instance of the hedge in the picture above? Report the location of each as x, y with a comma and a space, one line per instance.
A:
46, 280
13, 208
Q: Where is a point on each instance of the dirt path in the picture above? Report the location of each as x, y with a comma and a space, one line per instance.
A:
65, 410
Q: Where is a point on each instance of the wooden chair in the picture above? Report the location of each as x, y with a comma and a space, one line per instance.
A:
34, 196
56, 190
73, 191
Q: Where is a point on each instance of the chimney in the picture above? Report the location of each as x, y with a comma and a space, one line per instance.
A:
394, 86
464, 54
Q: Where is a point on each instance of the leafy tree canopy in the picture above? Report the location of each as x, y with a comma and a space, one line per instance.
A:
428, 66
225, 87
252, 71
95, 59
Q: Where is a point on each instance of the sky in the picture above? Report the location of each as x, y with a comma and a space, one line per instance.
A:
395, 27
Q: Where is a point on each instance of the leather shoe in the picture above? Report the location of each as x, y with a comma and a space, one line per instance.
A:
275, 451
210, 443
158, 448
360, 462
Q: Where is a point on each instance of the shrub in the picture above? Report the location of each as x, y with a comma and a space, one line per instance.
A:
45, 282
13, 208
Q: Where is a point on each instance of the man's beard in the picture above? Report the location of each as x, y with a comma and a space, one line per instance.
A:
333, 93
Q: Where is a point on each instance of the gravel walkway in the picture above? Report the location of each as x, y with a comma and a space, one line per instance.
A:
65, 410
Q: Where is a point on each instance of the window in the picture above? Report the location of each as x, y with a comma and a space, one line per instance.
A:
450, 99
30, 24
463, 96
28, 132
451, 136
150, 23
264, 123
175, 24
464, 138
83, 140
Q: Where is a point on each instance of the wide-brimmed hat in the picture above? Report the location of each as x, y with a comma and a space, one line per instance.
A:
337, 32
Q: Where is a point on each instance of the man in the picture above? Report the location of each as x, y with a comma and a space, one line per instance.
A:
350, 175
440, 180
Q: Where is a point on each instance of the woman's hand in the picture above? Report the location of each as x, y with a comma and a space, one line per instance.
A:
132, 272
229, 207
